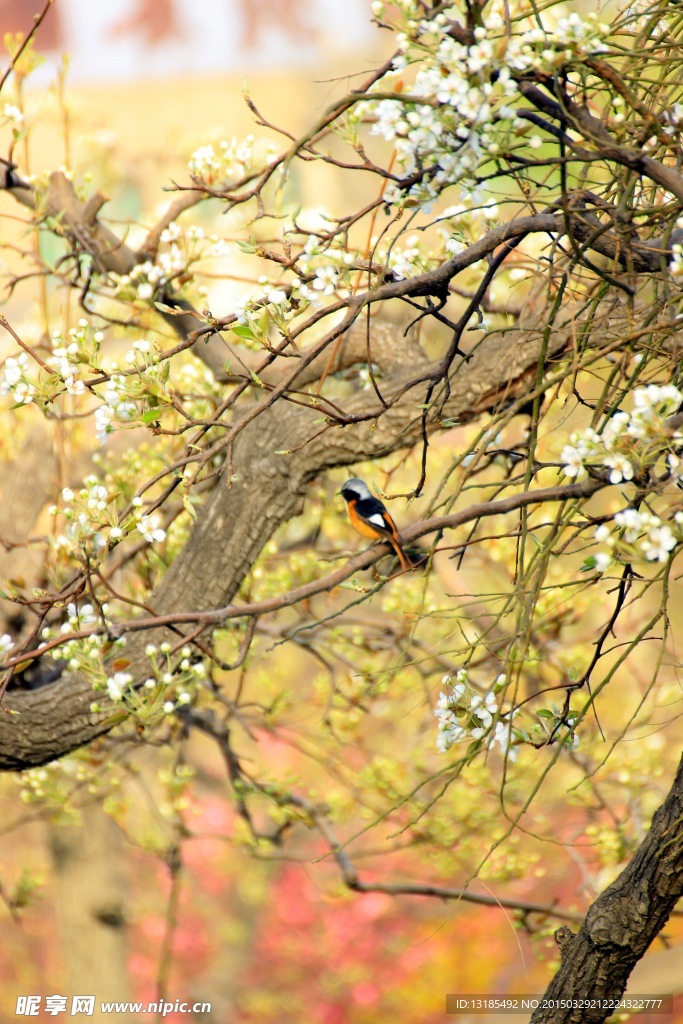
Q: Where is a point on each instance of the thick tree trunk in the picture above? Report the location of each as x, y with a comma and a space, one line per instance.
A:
621, 923
91, 906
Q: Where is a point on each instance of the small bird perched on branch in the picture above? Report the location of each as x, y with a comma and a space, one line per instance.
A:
369, 517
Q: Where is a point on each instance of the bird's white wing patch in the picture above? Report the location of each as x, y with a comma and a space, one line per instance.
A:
378, 519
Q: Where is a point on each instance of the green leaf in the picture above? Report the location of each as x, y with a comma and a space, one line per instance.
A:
152, 414
243, 331
249, 247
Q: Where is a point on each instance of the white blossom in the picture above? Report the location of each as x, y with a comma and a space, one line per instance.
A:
118, 684
13, 114
501, 736
572, 461
325, 279
621, 468
463, 714
658, 543
603, 560
149, 528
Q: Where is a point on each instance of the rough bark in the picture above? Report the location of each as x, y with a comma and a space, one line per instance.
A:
621, 923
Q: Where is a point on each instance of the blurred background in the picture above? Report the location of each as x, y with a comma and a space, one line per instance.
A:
144, 71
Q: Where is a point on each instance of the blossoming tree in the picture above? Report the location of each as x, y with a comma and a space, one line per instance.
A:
493, 325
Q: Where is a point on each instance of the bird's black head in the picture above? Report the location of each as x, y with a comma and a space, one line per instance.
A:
355, 490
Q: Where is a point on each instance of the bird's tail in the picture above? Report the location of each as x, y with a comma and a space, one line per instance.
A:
406, 564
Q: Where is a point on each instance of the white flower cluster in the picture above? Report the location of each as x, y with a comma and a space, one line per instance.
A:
71, 356
117, 406
12, 115
321, 271
53, 786
467, 90
15, 381
140, 354
620, 445
229, 162
173, 684
125, 396
185, 248
79, 351
87, 513
92, 520
174, 678
118, 684
327, 264
639, 534
84, 654
128, 396
254, 315
6, 645
626, 441
145, 279
409, 261
179, 250
80, 618
464, 714
177, 682
457, 227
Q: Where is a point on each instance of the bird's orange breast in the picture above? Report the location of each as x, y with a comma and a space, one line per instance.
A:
361, 526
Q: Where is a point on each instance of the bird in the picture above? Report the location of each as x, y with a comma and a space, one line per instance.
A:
369, 517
